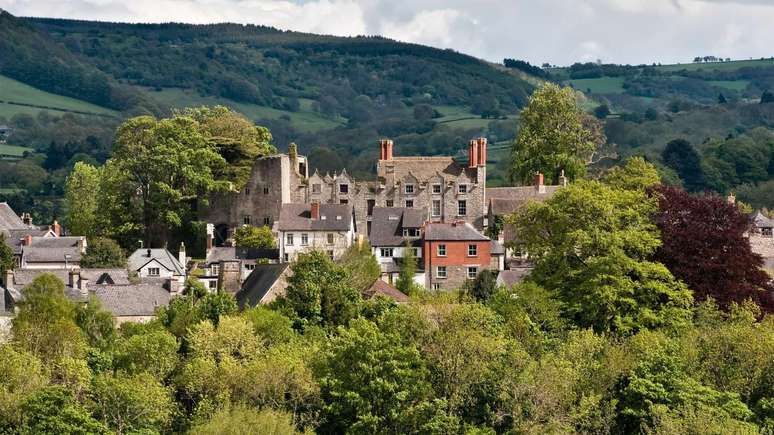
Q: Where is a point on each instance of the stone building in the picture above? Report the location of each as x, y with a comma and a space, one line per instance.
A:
326, 227
454, 253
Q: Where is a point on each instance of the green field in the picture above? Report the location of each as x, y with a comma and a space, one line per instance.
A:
734, 85
304, 120
12, 91
461, 117
720, 66
602, 85
13, 151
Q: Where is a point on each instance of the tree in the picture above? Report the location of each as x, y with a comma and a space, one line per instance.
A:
7, 261
153, 351
96, 323
319, 292
651, 114
767, 97
248, 236
484, 286
132, 403
592, 246
685, 160
408, 269
103, 253
82, 199
23, 376
722, 99
362, 266
552, 137
705, 246
165, 166
54, 410
196, 304
240, 420
383, 394
602, 111
636, 174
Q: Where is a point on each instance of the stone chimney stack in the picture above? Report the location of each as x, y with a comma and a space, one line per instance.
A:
173, 286
8, 278
473, 149
56, 228
181, 255
316, 211
539, 186
562, 179
82, 245
27, 240
481, 143
210, 236
26, 219
385, 149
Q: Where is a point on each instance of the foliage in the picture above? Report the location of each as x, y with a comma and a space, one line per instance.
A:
705, 246
362, 266
552, 137
55, 410
408, 269
592, 246
96, 323
153, 351
685, 160
195, 305
103, 253
319, 292
132, 403
241, 420
23, 376
7, 261
270, 325
248, 236
484, 286
636, 174
82, 199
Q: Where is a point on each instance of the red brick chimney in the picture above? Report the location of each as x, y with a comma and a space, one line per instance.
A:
56, 228
27, 240
539, 182
481, 143
316, 210
385, 149
473, 153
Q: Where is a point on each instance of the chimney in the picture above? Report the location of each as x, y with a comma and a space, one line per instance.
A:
316, 211
210, 236
56, 228
181, 255
731, 198
82, 244
539, 186
26, 219
8, 278
173, 286
149, 253
473, 153
562, 179
385, 149
27, 240
481, 144
76, 282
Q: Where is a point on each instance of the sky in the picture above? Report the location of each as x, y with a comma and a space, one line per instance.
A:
559, 32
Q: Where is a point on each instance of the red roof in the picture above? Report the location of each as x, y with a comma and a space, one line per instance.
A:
380, 287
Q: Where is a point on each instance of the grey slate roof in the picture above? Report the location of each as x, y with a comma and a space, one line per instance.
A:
506, 200
387, 224
497, 248
13, 238
52, 250
298, 217
425, 167
512, 276
141, 257
133, 299
247, 255
260, 281
9, 220
761, 221
452, 231
105, 276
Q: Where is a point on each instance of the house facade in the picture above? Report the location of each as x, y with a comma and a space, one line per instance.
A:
329, 228
158, 264
453, 254
393, 231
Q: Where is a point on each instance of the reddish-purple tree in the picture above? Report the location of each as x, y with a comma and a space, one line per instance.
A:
704, 245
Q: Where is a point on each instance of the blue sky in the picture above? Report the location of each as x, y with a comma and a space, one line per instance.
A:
555, 31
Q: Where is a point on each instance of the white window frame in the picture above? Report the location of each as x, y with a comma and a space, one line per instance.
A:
389, 203
436, 286
436, 212
437, 189
304, 239
215, 269
439, 274
154, 271
330, 238
408, 189
462, 207
439, 248
473, 248
474, 269
386, 252
462, 188
289, 239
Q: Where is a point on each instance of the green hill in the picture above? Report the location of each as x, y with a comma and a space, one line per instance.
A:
17, 97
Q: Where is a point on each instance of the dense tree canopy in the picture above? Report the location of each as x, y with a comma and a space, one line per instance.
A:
103, 253
248, 236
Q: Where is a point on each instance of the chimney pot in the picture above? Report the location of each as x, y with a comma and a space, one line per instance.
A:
481, 144
149, 253
27, 240
56, 228
473, 153
315, 211
385, 149
539, 182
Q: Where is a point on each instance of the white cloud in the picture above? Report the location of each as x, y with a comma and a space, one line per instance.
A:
556, 31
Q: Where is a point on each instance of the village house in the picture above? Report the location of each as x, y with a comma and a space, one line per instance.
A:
761, 237
454, 253
393, 230
158, 264
264, 285
326, 227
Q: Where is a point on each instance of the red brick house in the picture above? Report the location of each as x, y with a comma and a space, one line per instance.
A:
454, 253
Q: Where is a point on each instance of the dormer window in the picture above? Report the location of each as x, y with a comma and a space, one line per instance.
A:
343, 188
410, 232
462, 188
316, 188
409, 189
436, 189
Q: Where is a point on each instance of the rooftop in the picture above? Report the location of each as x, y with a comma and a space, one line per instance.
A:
382, 288
9, 220
452, 231
506, 200
298, 217
387, 224
258, 284
141, 257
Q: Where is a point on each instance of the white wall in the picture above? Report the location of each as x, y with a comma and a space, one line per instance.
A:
397, 252
163, 271
316, 240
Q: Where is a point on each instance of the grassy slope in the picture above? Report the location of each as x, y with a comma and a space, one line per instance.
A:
602, 85
13, 151
18, 92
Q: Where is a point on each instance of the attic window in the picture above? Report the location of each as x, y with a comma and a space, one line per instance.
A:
343, 188
409, 188
316, 188
462, 188
338, 218
436, 188
323, 217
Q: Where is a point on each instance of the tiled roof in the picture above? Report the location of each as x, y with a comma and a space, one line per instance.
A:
380, 287
133, 299
13, 238
9, 220
387, 224
298, 217
452, 231
425, 167
105, 276
260, 281
141, 257
226, 253
512, 276
506, 200
497, 248
35, 254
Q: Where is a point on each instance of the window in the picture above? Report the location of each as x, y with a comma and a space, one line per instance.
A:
286, 258
316, 188
153, 271
304, 239
371, 203
343, 201
436, 188
409, 203
265, 190
246, 219
267, 221
330, 254
409, 189
436, 286
472, 272
330, 238
215, 269
472, 250
250, 266
441, 250
289, 239
462, 188
388, 203
410, 232
343, 188
440, 272
436, 211
213, 285
386, 252
462, 208
415, 251
247, 191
